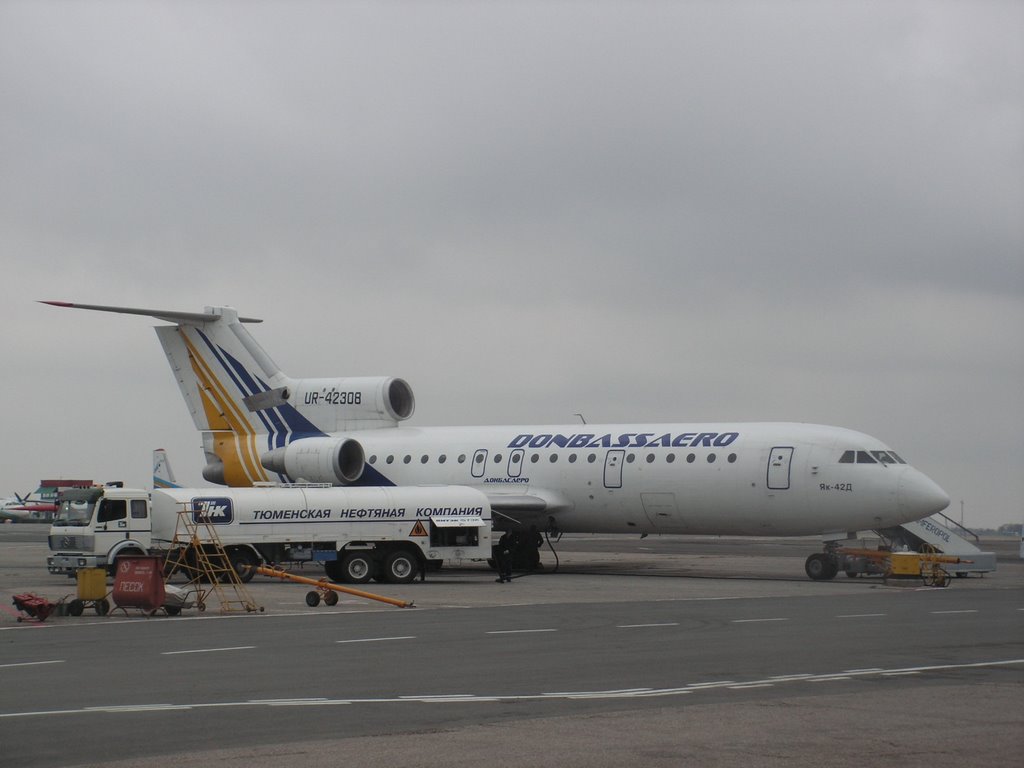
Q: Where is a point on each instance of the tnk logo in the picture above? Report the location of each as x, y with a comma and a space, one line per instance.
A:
215, 510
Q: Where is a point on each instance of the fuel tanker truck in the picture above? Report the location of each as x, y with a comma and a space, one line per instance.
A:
390, 534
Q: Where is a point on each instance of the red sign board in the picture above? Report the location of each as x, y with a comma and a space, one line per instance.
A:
139, 582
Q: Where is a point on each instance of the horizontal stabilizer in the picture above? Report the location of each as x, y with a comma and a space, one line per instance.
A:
170, 316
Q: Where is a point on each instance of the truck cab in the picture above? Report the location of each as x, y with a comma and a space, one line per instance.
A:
95, 525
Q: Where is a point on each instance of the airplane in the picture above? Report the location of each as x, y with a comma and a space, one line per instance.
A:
18, 509
745, 479
163, 475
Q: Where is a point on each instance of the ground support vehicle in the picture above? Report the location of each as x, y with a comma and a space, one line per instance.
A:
391, 534
926, 566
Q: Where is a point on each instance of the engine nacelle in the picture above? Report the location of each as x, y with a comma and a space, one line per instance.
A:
334, 460
336, 405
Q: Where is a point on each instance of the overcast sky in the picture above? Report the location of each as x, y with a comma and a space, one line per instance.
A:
803, 211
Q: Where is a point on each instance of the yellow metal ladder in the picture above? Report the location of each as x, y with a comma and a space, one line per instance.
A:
197, 551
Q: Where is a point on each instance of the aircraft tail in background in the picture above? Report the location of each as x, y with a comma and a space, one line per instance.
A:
163, 475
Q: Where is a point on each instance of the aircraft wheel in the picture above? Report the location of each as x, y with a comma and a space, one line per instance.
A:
820, 567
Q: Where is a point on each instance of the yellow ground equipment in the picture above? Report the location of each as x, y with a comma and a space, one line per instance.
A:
326, 591
926, 566
92, 591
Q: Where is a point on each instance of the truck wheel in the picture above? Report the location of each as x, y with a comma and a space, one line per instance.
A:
357, 567
332, 570
400, 567
244, 562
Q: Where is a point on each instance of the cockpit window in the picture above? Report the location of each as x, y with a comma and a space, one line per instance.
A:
870, 457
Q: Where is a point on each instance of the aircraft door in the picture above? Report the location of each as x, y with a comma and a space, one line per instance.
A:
779, 461
479, 463
515, 463
613, 468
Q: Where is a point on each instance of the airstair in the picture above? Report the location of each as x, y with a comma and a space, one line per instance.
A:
198, 553
940, 533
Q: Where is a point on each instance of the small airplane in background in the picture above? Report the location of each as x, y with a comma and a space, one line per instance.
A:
725, 478
21, 509
40, 506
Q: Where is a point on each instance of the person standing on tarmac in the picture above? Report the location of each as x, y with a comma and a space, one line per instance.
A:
503, 556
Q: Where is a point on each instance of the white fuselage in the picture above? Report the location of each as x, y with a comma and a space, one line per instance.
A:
778, 479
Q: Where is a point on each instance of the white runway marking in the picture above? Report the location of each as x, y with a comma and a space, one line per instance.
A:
636, 626
968, 611
752, 621
462, 698
858, 615
518, 631
377, 639
209, 650
31, 663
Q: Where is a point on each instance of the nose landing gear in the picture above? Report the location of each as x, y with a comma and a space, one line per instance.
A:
822, 566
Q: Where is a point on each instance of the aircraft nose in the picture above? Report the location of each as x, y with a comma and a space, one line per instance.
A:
919, 496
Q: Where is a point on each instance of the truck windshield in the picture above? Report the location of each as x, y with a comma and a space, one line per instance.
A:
74, 512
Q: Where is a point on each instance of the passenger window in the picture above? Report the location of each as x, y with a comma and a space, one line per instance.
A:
690, 458
711, 458
424, 459
407, 459
554, 458
848, 457
497, 458
112, 509
591, 458
630, 458
863, 457
391, 459
670, 458
534, 458
442, 459
462, 458
373, 459
572, 458
650, 458
732, 458
138, 509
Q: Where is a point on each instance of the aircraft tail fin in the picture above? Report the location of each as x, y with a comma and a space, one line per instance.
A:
163, 475
219, 368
